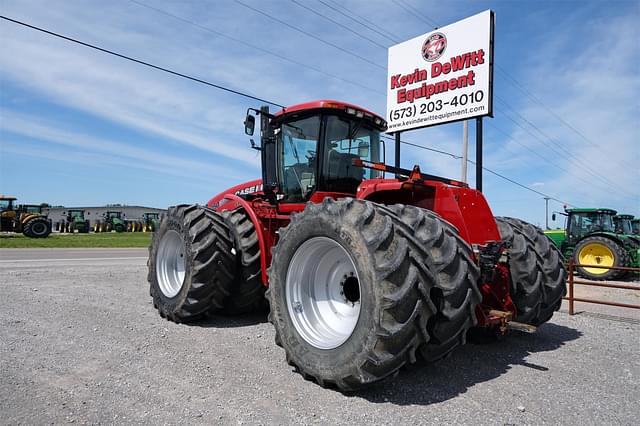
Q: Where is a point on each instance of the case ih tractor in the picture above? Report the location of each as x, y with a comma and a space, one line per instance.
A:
363, 274
591, 237
27, 221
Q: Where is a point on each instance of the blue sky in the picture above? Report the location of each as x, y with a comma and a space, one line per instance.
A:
78, 127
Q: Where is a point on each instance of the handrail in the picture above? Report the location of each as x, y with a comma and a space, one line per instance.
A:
572, 282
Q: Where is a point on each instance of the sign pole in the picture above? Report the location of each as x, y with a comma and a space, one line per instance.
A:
479, 154
397, 156
465, 150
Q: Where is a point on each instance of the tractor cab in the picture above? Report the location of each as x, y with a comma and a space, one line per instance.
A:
635, 226
150, 216
582, 222
30, 208
315, 147
7, 213
75, 213
6, 203
622, 224
112, 215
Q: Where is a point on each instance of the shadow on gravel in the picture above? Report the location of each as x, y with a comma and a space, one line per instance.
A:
231, 321
468, 366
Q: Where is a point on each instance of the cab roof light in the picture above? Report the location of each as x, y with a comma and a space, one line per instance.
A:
350, 110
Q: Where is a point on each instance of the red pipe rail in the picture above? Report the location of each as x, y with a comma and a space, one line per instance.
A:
572, 281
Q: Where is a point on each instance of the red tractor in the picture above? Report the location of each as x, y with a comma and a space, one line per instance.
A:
363, 273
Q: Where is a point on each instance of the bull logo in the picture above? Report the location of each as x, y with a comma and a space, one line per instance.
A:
434, 46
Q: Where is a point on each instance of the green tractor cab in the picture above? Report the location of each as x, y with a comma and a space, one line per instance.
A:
590, 238
77, 222
114, 221
151, 221
34, 225
623, 224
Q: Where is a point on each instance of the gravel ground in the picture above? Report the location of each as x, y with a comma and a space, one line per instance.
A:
80, 342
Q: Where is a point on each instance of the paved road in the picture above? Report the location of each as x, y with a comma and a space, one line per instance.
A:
9, 256
80, 342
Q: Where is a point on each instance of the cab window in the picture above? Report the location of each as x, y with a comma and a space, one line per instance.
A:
347, 140
298, 145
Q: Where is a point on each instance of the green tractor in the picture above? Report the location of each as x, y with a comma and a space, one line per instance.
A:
77, 222
114, 221
624, 225
31, 224
151, 221
590, 238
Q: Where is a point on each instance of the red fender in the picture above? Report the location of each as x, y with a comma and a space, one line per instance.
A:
259, 231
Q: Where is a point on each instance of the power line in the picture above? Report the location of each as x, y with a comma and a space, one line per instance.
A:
253, 46
337, 23
367, 24
138, 61
483, 168
536, 153
516, 84
313, 36
238, 92
414, 11
570, 157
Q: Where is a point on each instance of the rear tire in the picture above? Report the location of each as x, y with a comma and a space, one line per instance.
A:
455, 292
600, 251
538, 274
247, 293
191, 266
399, 288
38, 227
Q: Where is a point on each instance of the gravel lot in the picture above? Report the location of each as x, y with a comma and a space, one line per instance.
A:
80, 342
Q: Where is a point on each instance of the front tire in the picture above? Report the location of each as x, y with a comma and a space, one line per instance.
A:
38, 227
536, 266
599, 251
191, 264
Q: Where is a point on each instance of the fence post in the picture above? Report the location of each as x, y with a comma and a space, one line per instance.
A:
571, 286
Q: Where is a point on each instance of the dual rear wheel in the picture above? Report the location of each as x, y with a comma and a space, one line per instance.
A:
358, 290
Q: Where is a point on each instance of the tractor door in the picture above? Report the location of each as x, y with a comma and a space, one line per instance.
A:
297, 156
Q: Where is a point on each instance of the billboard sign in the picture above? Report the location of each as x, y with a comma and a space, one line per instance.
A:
442, 76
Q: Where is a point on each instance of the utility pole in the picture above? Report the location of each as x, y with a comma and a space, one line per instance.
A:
479, 154
465, 149
546, 210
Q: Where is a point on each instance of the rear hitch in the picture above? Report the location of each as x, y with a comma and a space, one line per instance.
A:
504, 322
521, 327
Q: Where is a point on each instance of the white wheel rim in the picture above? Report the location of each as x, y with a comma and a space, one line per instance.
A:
170, 263
323, 293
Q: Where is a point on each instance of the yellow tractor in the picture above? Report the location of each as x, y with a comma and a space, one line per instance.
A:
31, 224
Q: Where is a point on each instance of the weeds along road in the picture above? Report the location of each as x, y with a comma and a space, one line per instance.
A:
80, 341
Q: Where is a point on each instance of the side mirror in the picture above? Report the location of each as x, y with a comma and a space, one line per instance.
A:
249, 124
553, 216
